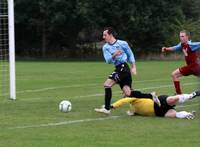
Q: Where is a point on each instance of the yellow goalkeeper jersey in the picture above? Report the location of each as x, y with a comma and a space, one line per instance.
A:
142, 106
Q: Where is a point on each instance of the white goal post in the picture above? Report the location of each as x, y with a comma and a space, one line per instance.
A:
7, 49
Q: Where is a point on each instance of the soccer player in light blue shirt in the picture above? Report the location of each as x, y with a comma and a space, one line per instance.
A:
126, 55
117, 52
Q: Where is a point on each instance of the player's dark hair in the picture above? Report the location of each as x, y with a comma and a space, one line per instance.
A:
110, 31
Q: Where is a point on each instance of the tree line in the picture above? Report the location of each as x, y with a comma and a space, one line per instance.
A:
73, 28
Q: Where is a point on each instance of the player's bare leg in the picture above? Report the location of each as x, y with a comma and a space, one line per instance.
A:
170, 113
126, 91
182, 114
175, 77
181, 98
173, 100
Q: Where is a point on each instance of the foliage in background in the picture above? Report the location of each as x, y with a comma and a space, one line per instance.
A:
73, 28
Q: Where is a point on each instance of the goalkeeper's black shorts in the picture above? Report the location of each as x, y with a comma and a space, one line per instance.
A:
162, 110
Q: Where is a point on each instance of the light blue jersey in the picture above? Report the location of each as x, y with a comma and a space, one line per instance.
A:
193, 46
126, 56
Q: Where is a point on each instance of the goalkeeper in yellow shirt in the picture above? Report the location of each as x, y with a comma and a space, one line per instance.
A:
147, 107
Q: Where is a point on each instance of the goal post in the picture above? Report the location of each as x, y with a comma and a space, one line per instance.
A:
11, 35
7, 49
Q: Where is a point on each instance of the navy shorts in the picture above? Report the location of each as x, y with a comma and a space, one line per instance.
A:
122, 75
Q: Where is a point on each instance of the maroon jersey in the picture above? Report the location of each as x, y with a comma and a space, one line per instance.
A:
190, 56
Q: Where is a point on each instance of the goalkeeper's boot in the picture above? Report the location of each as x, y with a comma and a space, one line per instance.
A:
155, 98
102, 110
191, 115
195, 94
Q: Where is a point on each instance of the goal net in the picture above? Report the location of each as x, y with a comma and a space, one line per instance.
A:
7, 50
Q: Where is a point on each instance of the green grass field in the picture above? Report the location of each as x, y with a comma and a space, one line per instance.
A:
33, 120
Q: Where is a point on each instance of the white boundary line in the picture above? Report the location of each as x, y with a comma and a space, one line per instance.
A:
54, 88
93, 84
182, 106
79, 121
66, 122
146, 88
116, 92
61, 87
164, 86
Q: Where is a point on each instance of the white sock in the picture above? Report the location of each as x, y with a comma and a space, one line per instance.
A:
184, 97
182, 114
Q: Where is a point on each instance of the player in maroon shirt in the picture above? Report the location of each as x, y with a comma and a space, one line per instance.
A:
189, 50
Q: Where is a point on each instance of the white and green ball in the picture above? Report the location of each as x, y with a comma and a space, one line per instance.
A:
65, 106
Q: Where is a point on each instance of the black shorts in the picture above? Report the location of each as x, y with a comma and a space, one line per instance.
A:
122, 75
160, 111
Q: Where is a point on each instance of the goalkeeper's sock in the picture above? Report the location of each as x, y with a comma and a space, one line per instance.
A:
184, 97
183, 114
108, 96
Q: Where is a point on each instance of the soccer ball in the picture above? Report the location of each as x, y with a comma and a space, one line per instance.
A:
65, 106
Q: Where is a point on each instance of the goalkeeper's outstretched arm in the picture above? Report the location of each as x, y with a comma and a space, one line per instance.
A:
122, 102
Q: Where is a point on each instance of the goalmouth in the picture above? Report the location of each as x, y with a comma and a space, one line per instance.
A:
7, 50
